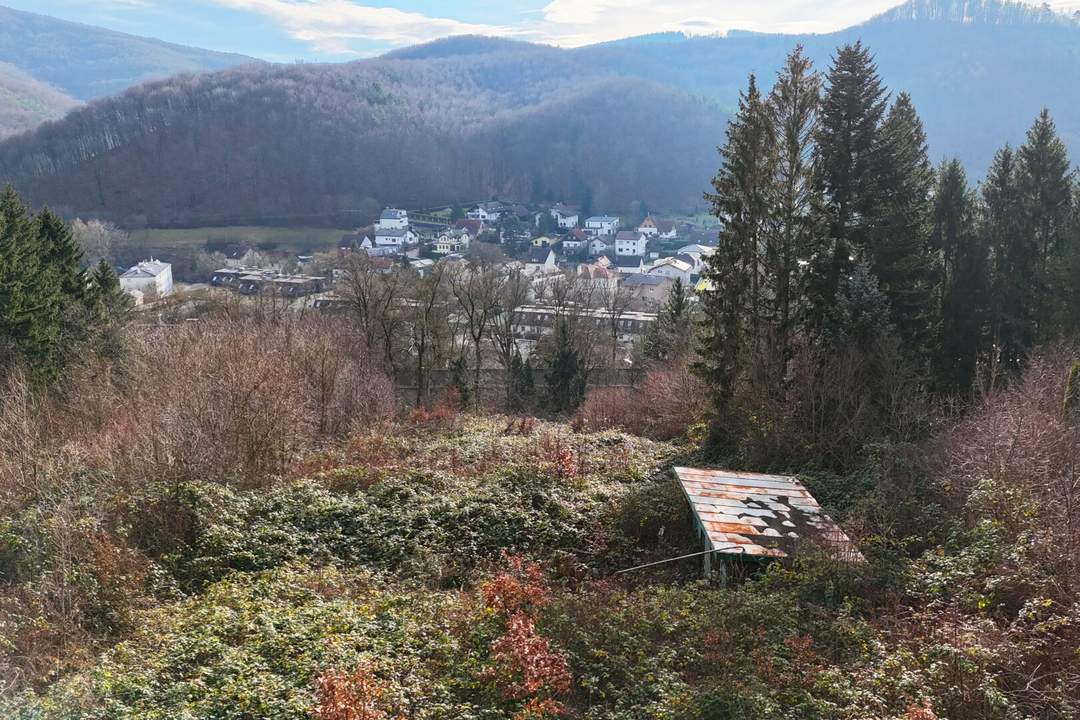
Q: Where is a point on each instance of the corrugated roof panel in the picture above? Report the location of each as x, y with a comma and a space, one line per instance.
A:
752, 515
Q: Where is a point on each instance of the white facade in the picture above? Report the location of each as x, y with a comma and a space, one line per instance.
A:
602, 225
673, 268
648, 227
393, 219
395, 238
566, 218
150, 277
628, 244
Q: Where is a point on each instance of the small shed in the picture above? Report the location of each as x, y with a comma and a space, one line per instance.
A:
748, 516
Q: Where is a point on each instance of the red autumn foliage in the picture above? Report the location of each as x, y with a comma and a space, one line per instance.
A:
664, 407
524, 663
349, 696
920, 712
515, 591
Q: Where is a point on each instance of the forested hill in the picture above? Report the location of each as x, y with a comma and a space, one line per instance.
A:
272, 143
48, 65
469, 118
26, 102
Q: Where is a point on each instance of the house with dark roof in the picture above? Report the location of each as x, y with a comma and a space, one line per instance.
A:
393, 219
541, 260
631, 243
630, 264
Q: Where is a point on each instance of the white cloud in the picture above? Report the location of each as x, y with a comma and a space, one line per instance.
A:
577, 22
332, 26
338, 26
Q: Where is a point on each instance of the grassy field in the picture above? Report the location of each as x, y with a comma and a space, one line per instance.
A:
300, 240
182, 247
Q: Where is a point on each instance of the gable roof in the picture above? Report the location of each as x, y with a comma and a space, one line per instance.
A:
762, 516
602, 219
540, 255
628, 261
474, 226
644, 280
146, 269
680, 265
665, 226
628, 236
393, 214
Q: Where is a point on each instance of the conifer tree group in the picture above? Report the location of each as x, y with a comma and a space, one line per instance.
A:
836, 230
49, 306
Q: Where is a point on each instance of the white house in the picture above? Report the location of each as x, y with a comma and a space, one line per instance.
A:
488, 212
648, 227
666, 230
150, 277
602, 225
597, 247
673, 268
698, 249
630, 243
393, 219
565, 216
630, 264
238, 256
394, 238
541, 260
574, 240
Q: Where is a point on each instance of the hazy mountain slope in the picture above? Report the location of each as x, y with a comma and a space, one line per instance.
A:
26, 102
88, 62
976, 82
275, 142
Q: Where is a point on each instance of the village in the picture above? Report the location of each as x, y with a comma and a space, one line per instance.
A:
622, 275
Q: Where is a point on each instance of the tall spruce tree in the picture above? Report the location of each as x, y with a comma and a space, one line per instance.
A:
795, 230
963, 298
898, 239
1046, 188
31, 295
1065, 275
741, 200
849, 157
1015, 269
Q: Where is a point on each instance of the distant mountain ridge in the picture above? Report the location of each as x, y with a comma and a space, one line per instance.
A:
974, 12
472, 117
83, 62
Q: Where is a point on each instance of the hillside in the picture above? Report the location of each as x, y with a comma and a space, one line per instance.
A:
267, 142
59, 63
89, 62
467, 118
26, 102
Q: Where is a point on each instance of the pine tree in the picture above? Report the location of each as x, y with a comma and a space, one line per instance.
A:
669, 336
849, 158
898, 239
963, 298
1015, 269
1065, 275
795, 231
1046, 188
733, 303
31, 296
565, 376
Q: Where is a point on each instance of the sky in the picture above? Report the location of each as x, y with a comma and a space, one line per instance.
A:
334, 30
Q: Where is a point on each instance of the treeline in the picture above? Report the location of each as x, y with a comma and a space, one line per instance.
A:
50, 308
283, 142
847, 262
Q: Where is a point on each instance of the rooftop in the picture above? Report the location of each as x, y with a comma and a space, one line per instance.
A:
602, 219
761, 516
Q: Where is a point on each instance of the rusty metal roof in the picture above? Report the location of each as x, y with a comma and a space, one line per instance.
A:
760, 516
